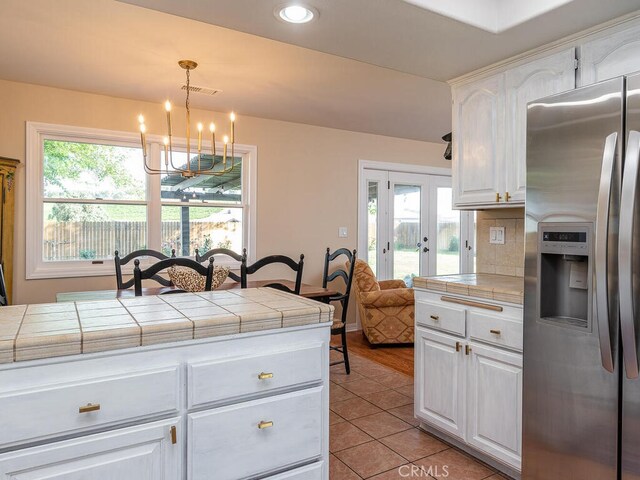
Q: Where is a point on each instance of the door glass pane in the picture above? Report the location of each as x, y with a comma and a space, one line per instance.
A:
372, 225
406, 232
448, 237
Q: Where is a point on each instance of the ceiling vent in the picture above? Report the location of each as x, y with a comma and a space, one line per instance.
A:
203, 90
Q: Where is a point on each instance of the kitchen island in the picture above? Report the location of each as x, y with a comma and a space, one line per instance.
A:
222, 385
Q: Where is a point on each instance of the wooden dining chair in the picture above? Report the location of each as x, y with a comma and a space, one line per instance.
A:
224, 251
150, 273
136, 255
246, 270
339, 326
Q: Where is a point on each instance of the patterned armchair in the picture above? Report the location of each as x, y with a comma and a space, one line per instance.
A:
386, 308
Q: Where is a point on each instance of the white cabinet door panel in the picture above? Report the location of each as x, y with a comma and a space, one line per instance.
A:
611, 56
439, 396
538, 79
137, 453
478, 120
495, 403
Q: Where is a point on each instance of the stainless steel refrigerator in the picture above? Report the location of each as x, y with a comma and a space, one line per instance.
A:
581, 409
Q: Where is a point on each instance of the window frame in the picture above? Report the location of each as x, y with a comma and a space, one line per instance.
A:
37, 133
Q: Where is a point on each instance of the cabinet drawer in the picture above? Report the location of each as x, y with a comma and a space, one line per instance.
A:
441, 317
309, 472
54, 410
502, 331
229, 442
225, 379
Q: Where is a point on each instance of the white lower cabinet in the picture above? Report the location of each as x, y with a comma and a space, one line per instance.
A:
494, 402
248, 406
439, 358
469, 385
137, 453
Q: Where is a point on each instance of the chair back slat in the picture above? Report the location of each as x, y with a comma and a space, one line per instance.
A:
224, 251
121, 284
150, 273
340, 272
297, 267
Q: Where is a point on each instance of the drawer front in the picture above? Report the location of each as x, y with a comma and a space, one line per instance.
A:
54, 410
497, 330
227, 379
309, 472
229, 442
441, 317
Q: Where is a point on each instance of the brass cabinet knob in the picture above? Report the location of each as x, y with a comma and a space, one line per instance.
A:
458, 346
89, 407
262, 425
434, 317
467, 350
498, 197
507, 197
265, 376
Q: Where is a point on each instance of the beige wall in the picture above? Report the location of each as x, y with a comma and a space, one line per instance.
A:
507, 259
307, 176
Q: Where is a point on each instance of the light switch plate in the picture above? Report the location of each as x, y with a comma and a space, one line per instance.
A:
342, 232
496, 235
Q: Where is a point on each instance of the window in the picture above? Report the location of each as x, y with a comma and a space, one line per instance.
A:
88, 195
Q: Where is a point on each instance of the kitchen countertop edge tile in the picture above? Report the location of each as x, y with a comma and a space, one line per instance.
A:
486, 286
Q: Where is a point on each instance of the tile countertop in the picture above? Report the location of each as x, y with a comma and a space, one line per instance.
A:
29, 332
502, 288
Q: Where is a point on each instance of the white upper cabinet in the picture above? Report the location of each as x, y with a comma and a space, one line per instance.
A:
490, 131
611, 56
478, 126
538, 79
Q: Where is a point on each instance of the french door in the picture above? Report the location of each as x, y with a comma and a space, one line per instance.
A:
408, 228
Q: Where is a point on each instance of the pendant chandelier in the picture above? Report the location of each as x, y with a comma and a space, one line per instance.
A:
188, 170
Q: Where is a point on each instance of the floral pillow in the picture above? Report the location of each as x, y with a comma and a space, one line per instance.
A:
189, 280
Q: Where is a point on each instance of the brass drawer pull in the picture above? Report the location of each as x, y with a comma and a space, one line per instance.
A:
470, 303
262, 425
495, 332
498, 197
89, 407
265, 376
434, 317
467, 349
507, 197
458, 346
174, 435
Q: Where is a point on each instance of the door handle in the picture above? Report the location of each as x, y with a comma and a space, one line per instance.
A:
601, 266
625, 255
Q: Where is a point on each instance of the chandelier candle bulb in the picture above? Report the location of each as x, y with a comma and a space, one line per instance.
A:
233, 122
199, 137
143, 140
212, 129
165, 140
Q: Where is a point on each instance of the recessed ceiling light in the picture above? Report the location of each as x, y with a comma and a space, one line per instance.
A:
296, 13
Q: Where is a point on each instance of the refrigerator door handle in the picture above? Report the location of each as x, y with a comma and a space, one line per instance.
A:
625, 255
601, 265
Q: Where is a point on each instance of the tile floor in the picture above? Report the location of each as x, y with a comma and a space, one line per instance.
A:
373, 434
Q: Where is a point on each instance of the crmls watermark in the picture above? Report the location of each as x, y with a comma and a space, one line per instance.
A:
432, 471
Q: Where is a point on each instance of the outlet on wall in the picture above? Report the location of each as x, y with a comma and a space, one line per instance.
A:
342, 232
496, 235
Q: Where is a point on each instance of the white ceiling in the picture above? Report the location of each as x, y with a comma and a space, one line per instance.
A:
374, 66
